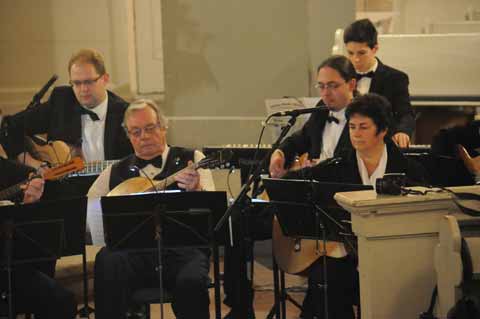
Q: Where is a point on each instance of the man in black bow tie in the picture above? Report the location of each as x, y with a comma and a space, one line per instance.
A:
83, 114
118, 273
373, 76
325, 134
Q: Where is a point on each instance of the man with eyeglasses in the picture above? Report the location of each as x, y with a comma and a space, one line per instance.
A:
84, 115
325, 134
117, 273
360, 39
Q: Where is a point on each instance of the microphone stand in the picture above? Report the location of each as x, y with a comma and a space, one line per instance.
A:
35, 102
241, 197
241, 201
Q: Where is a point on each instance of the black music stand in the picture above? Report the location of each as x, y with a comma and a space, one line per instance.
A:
42, 231
304, 210
151, 222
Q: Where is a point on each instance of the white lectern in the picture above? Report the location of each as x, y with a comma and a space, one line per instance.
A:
397, 236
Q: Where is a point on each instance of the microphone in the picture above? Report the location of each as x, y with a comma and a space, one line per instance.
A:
298, 112
135, 168
37, 97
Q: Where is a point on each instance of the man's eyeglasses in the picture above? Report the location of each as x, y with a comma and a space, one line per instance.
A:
137, 132
77, 83
328, 86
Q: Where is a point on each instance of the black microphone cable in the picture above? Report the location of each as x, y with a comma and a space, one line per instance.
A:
135, 168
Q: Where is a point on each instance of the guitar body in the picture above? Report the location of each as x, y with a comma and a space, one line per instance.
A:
295, 256
54, 152
134, 185
58, 152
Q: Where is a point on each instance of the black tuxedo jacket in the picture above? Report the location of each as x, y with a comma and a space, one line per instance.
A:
60, 119
393, 85
309, 139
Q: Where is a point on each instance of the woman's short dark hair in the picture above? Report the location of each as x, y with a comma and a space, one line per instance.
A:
362, 31
373, 106
341, 64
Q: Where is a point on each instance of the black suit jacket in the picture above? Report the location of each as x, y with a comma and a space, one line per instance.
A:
346, 170
393, 85
60, 119
309, 139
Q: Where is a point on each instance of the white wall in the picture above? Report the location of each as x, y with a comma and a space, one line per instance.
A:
37, 39
415, 15
222, 59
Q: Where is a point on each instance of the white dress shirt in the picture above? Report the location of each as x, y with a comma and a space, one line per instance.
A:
379, 171
331, 134
363, 85
101, 187
93, 133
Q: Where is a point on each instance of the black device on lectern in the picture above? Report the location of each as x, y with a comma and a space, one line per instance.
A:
129, 221
303, 205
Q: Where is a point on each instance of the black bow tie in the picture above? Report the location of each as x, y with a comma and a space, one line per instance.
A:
92, 114
156, 161
331, 119
370, 74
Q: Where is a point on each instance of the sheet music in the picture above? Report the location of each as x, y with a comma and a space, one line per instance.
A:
95, 221
95, 217
287, 104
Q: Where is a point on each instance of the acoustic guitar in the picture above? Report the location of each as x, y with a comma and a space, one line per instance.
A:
55, 173
296, 255
142, 184
58, 152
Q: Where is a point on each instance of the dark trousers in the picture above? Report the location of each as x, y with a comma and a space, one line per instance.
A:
342, 292
185, 273
250, 224
34, 292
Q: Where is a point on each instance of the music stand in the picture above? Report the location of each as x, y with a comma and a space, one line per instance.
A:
42, 231
303, 209
150, 222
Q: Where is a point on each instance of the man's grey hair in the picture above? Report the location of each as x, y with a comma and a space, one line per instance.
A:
141, 104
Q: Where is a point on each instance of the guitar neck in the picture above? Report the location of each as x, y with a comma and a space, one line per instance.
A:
96, 167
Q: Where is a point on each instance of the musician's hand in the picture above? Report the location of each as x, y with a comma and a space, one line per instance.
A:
27, 159
309, 163
401, 139
33, 190
472, 164
277, 164
189, 179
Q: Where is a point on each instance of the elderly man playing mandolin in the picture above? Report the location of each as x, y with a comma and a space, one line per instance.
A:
118, 274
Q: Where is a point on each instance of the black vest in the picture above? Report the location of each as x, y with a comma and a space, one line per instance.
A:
177, 159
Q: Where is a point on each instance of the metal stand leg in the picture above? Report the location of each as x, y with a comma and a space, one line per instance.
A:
86, 310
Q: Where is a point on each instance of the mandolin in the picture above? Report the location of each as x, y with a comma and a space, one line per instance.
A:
142, 184
58, 152
57, 172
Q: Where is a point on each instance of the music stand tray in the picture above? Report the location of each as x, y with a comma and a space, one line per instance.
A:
298, 201
46, 230
41, 231
151, 222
